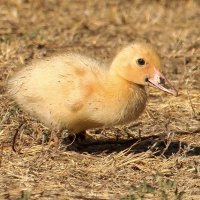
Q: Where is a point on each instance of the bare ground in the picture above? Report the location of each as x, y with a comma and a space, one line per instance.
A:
157, 157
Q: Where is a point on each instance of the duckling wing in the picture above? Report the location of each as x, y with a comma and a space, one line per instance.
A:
55, 89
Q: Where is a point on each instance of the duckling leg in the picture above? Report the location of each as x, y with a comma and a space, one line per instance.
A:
73, 141
77, 137
54, 138
81, 136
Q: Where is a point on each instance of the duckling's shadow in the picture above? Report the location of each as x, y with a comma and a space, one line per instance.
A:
137, 145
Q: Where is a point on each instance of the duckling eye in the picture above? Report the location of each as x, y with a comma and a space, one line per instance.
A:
140, 61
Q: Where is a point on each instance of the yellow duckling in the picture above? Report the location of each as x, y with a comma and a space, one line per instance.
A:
77, 93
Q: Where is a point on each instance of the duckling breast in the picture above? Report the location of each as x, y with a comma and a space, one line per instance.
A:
135, 105
121, 108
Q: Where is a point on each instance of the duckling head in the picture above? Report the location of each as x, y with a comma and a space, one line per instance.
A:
140, 64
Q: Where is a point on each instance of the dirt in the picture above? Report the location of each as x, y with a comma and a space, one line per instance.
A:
157, 156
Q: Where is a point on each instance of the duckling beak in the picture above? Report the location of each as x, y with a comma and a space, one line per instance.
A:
159, 81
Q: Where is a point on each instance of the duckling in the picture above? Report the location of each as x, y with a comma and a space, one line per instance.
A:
77, 93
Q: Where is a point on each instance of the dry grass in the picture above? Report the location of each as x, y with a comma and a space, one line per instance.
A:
162, 158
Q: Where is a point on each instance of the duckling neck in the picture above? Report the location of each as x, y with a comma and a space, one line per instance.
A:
119, 83
130, 97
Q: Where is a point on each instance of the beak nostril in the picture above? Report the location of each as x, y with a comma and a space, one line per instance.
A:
161, 80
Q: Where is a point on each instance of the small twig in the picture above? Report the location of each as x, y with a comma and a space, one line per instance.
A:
167, 124
152, 148
150, 115
190, 100
170, 136
187, 132
17, 132
1, 153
